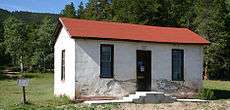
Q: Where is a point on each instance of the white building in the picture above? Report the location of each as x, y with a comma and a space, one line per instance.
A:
98, 58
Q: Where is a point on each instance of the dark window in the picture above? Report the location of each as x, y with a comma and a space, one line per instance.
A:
63, 65
177, 65
106, 61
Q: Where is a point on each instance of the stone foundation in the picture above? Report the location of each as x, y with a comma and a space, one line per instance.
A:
181, 89
119, 88
115, 88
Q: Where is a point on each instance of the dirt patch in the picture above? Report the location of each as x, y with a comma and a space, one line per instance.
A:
212, 105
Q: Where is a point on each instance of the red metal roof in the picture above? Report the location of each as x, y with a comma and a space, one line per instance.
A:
79, 28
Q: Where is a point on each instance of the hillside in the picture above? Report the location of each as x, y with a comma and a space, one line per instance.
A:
27, 17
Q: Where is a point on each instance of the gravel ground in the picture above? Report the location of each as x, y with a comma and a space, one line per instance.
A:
211, 105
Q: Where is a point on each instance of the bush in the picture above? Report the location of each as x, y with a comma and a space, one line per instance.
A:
213, 94
206, 94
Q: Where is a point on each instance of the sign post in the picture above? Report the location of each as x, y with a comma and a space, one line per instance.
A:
23, 83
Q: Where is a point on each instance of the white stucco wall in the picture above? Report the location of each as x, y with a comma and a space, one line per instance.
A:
82, 67
67, 86
88, 81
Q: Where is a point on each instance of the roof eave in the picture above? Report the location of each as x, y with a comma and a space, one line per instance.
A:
131, 40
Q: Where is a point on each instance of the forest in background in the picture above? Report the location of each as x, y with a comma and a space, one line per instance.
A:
26, 38
30, 35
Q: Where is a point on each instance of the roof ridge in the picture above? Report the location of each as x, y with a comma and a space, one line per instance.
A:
114, 22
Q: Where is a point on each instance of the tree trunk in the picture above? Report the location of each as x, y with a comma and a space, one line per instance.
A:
21, 64
206, 77
44, 65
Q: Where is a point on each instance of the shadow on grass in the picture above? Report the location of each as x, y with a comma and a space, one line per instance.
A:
213, 94
31, 106
221, 94
15, 76
8, 77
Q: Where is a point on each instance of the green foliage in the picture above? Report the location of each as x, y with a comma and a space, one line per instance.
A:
80, 11
43, 45
215, 90
213, 94
69, 11
209, 18
14, 39
29, 24
26, 39
98, 10
4, 14
4, 58
210, 23
26, 17
207, 94
136, 11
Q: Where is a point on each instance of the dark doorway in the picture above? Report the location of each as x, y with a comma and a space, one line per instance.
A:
143, 70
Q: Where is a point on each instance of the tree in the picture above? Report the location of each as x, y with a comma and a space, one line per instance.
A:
80, 11
209, 18
136, 11
43, 52
98, 10
3, 57
1, 41
31, 43
69, 11
209, 22
14, 40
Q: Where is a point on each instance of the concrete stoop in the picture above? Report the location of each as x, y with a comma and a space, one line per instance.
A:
155, 97
139, 97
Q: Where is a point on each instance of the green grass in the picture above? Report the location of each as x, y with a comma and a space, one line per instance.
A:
215, 90
220, 85
39, 93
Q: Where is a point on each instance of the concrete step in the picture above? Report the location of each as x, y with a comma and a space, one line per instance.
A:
191, 100
131, 97
155, 97
139, 97
149, 92
106, 101
150, 97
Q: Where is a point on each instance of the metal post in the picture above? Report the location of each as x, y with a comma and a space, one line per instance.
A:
24, 94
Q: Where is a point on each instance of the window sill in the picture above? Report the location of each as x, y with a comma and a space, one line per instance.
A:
178, 80
106, 77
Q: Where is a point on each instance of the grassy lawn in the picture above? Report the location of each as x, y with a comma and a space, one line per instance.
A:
220, 85
40, 94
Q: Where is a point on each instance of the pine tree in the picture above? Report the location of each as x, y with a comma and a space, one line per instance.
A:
80, 11
69, 11
98, 10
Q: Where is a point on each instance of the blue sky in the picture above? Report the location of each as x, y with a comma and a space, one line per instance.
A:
43, 6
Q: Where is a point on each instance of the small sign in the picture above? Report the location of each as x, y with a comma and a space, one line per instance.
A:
142, 68
22, 82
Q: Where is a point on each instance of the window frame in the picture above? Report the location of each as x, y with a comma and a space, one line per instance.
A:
63, 65
112, 60
182, 67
